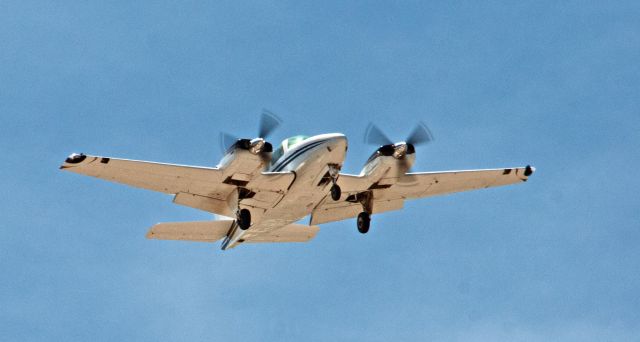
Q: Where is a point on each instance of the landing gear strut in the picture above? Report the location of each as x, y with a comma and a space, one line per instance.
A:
244, 219
334, 171
364, 220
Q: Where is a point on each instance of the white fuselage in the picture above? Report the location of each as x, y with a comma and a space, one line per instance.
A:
310, 161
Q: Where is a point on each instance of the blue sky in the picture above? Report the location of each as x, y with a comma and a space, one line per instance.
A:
554, 84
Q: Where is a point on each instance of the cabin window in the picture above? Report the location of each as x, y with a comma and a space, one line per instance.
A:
277, 154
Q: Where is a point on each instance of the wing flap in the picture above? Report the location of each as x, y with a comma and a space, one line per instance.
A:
212, 205
352, 183
329, 213
335, 211
200, 231
272, 181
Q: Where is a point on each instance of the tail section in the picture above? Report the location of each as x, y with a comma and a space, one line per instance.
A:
201, 231
211, 231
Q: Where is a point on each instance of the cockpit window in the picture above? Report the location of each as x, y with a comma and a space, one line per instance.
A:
294, 140
286, 145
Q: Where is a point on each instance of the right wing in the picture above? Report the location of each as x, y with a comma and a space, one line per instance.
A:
390, 193
427, 184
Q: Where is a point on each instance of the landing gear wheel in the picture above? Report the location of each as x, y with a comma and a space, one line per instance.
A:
335, 192
364, 221
244, 219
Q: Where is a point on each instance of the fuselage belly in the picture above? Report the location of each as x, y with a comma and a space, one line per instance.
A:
310, 162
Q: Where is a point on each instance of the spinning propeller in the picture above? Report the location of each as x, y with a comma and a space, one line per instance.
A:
268, 123
420, 135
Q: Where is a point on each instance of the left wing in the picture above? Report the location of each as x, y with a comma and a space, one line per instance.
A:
389, 193
166, 178
204, 188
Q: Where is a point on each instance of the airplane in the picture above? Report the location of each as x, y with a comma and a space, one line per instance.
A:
262, 193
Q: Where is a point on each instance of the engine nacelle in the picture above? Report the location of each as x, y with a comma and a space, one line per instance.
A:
246, 156
255, 146
389, 161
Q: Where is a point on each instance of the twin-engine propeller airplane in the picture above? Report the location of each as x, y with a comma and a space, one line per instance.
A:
266, 191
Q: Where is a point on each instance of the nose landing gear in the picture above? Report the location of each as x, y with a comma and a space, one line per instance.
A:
334, 171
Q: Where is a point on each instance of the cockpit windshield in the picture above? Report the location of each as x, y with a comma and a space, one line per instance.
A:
286, 145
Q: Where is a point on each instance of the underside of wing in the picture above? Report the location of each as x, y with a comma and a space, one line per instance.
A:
389, 193
167, 178
426, 184
203, 188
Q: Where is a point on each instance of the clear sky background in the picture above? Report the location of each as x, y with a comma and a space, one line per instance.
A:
553, 84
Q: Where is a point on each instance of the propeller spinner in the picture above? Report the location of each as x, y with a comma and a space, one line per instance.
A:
420, 135
268, 123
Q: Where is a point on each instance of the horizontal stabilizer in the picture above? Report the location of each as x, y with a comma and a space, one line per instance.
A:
290, 233
201, 231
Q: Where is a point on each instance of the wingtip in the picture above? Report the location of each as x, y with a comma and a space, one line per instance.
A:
72, 160
75, 158
151, 234
529, 170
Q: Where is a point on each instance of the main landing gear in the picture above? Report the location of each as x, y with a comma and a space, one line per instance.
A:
364, 218
243, 218
336, 192
364, 221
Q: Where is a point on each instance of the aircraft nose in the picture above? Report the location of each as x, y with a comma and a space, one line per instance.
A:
337, 140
